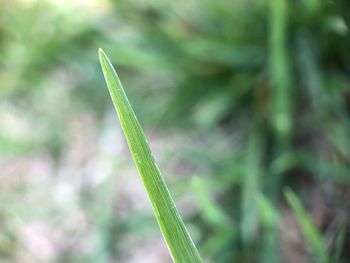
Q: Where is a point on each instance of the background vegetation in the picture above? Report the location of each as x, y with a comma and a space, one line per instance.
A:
246, 104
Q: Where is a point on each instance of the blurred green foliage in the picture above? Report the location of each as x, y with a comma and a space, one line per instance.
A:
261, 88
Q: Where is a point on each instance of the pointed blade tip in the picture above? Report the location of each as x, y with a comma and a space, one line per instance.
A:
102, 55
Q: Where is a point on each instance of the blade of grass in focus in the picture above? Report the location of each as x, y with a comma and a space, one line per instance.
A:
174, 231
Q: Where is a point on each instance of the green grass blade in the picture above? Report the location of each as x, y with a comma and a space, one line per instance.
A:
269, 234
279, 68
251, 185
174, 231
308, 227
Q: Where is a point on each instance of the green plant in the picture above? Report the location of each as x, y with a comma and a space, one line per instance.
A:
174, 231
257, 93
308, 228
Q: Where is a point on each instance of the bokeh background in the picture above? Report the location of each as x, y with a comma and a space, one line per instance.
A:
242, 102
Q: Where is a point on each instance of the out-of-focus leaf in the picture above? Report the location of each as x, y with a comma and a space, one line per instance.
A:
279, 68
251, 185
308, 228
211, 211
269, 219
